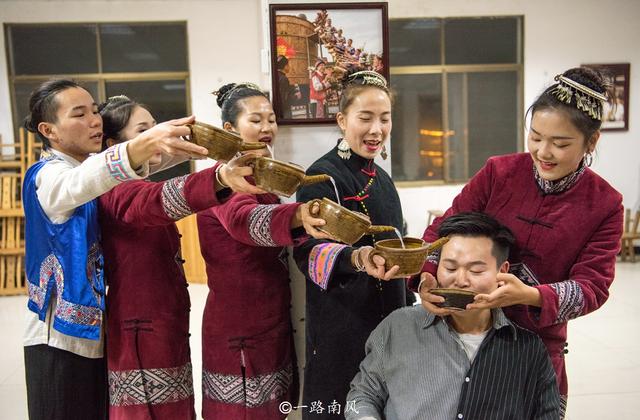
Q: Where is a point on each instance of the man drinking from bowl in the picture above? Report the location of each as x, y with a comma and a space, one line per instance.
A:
467, 364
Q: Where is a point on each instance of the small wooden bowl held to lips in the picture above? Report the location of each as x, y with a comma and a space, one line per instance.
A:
454, 298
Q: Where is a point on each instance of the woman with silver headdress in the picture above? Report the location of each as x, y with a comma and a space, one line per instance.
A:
248, 361
344, 300
567, 220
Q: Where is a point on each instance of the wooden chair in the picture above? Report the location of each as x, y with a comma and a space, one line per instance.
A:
12, 279
629, 235
34, 149
12, 155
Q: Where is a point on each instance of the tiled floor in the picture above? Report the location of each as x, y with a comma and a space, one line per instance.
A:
603, 359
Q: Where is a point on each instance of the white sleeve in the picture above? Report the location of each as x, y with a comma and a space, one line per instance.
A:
62, 187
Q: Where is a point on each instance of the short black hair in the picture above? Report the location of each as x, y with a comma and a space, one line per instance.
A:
43, 105
476, 224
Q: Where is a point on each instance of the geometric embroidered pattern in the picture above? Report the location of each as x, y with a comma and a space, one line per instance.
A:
95, 262
174, 202
570, 300
524, 273
150, 386
50, 266
259, 389
260, 224
115, 162
77, 314
434, 257
321, 261
65, 310
560, 185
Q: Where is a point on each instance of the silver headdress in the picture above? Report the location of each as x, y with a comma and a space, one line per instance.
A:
369, 78
244, 85
587, 100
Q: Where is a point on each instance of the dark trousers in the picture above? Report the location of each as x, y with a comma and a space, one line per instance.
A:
62, 385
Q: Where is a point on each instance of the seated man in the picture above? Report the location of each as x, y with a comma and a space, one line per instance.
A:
472, 364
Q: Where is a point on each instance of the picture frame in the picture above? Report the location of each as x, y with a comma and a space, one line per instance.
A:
313, 45
616, 118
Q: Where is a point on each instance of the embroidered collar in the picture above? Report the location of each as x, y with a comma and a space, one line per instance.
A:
560, 185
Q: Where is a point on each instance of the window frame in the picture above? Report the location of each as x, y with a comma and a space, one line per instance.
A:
444, 70
101, 78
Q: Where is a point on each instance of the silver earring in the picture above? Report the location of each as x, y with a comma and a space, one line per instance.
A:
344, 151
383, 153
588, 159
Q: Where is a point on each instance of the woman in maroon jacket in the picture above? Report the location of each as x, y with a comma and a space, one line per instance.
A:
567, 220
147, 339
247, 343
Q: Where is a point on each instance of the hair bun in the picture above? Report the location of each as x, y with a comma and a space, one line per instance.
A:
223, 93
589, 77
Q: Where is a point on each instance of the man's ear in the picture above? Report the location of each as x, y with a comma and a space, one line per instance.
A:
111, 142
49, 131
227, 126
504, 268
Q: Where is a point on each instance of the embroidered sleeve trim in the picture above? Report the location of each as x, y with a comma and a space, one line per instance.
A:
114, 157
257, 390
150, 386
322, 259
434, 257
570, 300
260, 224
174, 202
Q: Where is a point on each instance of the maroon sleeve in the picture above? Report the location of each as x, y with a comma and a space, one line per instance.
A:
250, 222
589, 279
144, 203
473, 197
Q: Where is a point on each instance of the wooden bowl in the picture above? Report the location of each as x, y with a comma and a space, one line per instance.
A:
280, 177
454, 298
221, 144
410, 259
343, 224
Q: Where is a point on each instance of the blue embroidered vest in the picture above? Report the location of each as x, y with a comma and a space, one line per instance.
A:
64, 261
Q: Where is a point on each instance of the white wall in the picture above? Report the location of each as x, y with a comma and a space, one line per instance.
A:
226, 38
223, 40
559, 35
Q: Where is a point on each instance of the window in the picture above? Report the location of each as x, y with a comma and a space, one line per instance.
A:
458, 85
145, 61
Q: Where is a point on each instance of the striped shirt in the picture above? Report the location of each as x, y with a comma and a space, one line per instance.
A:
416, 367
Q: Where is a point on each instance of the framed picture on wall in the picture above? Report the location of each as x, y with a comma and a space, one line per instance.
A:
616, 117
313, 46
